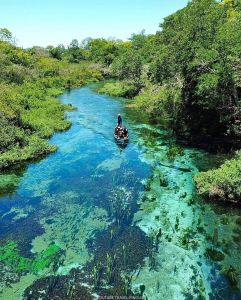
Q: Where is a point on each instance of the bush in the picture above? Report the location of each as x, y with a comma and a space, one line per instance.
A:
35, 148
29, 110
119, 89
10, 135
161, 103
222, 183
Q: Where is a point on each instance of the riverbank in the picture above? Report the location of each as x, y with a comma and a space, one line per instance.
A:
30, 110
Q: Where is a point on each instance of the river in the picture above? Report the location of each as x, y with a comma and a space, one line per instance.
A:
95, 219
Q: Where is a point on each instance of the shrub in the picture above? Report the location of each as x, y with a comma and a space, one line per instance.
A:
29, 110
222, 183
161, 103
119, 89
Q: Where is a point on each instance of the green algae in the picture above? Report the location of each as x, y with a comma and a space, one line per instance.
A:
19, 213
45, 259
10, 256
72, 225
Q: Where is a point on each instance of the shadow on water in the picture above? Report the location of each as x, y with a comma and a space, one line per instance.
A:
10, 179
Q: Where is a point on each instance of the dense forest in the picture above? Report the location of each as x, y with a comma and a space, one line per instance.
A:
186, 76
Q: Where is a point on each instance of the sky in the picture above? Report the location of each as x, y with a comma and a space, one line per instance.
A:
53, 22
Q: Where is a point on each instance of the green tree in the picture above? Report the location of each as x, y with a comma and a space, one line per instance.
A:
75, 52
104, 51
138, 39
57, 52
128, 65
6, 36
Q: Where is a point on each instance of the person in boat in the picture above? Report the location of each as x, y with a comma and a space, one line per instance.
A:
119, 120
125, 132
121, 134
117, 130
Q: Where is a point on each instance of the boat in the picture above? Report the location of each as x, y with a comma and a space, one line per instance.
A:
120, 138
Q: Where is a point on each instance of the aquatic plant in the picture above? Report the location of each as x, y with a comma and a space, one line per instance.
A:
111, 233
177, 223
119, 205
225, 220
185, 238
70, 290
238, 221
96, 273
214, 254
142, 289
109, 266
215, 237
127, 282
157, 238
190, 201
154, 247
174, 151
10, 256
147, 185
46, 258
124, 255
170, 223
163, 180
152, 261
231, 274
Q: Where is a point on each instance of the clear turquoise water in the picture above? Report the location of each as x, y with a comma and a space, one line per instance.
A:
96, 219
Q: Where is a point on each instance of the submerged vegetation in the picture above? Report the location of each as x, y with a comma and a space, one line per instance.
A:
9, 254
